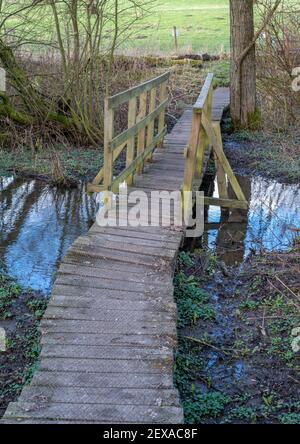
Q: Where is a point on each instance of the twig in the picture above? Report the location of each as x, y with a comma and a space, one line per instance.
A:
201, 341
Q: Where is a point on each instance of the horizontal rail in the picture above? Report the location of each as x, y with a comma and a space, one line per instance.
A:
125, 96
202, 99
138, 160
94, 188
226, 203
133, 131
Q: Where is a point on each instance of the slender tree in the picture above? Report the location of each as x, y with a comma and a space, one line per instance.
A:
243, 66
243, 60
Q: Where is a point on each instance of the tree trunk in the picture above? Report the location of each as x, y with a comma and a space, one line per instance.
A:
243, 66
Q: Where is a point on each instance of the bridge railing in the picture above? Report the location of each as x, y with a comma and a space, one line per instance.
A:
146, 104
205, 135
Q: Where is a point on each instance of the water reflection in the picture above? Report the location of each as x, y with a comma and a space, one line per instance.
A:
271, 222
38, 223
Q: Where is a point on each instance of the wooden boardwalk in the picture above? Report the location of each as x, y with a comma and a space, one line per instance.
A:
109, 332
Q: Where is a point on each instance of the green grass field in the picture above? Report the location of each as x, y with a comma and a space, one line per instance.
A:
203, 26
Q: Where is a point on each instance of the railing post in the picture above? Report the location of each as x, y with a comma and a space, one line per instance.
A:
163, 93
131, 142
191, 153
204, 142
150, 127
108, 136
142, 132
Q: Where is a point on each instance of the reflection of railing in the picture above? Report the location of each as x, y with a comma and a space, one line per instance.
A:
206, 133
139, 138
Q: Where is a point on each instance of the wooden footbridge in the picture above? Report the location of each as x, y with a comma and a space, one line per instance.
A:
109, 332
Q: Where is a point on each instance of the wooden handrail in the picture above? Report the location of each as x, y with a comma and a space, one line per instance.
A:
139, 138
205, 136
203, 96
125, 96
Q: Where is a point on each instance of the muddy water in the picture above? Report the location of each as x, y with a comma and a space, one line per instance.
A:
270, 224
38, 223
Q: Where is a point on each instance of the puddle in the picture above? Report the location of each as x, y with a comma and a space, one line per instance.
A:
38, 223
270, 224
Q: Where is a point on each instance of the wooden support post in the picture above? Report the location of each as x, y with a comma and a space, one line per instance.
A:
163, 94
108, 136
218, 148
150, 127
142, 132
204, 142
131, 142
221, 176
191, 154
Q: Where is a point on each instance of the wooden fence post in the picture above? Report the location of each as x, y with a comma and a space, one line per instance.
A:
150, 127
108, 136
131, 142
142, 132
163, 94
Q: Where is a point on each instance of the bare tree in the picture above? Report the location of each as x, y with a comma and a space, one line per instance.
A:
243, 59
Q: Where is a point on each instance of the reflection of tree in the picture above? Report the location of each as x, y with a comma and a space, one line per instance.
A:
230, 243
68, 212
21, 199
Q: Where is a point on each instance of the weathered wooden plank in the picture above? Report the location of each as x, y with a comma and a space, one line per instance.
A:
105, 327
122, 339
91, 395
102, 380
89, 314
86, 301
118, 295
92, 412
158, 365
106, 352
106, 272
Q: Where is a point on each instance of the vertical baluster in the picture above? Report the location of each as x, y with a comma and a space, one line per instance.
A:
150, 127
142, 132
163, 93
108, 136
131, 142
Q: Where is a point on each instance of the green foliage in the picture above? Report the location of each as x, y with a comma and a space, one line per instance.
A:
9, 291
38, 306
290, 418
249, 305
185, 364
192, 302
199, 406
243, 413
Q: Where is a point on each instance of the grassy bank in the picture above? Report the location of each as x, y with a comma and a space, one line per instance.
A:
20, 312
235, 362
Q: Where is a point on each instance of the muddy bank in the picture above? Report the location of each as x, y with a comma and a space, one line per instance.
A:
272, 155
237, 291
235, 362
20, 312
